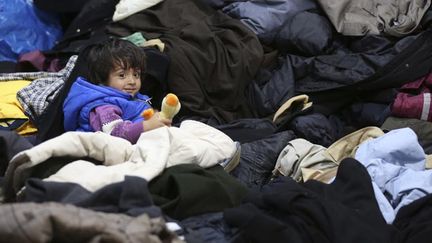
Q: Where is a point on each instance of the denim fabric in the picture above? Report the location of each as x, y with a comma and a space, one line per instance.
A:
248, 129
258, 158
210, 227
314, 127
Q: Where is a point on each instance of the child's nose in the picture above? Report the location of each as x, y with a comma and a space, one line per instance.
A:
132, 79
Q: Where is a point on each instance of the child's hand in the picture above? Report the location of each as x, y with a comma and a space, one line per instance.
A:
155, 122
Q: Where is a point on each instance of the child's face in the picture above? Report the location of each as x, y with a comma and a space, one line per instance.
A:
128, 81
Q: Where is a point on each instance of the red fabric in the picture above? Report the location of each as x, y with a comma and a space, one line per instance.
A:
410, 99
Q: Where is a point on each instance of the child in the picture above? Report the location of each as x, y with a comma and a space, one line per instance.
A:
110, 100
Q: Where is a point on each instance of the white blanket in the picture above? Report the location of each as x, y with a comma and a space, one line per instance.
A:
192, 142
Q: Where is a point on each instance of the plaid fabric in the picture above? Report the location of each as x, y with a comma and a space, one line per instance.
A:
44, 87
24, 76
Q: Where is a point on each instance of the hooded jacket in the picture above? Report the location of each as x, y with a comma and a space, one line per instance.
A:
84, 96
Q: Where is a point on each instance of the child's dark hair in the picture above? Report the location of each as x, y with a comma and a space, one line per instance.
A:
103, 57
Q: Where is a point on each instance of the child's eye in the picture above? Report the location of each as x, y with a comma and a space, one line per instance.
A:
122, 75
137, 74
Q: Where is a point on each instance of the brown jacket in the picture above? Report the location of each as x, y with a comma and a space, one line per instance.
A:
54, 222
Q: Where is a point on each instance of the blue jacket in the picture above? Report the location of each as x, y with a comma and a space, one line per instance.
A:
84, 96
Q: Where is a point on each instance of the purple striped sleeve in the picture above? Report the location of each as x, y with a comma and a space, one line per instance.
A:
107, 118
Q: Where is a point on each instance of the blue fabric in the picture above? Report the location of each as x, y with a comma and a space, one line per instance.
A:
83, 97
265, 18
209, 227
24, 29
396, 164
307, 33
258, 158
